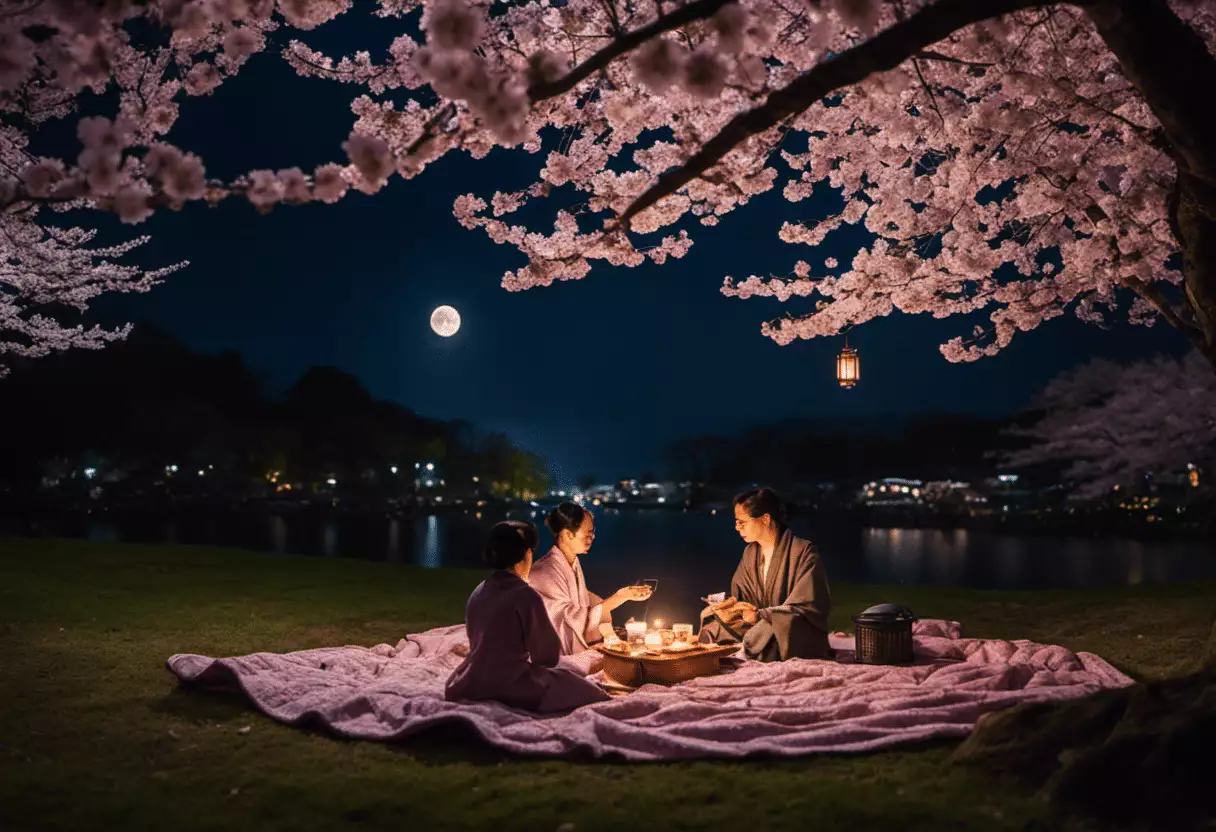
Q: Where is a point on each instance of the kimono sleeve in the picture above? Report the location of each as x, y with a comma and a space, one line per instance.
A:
576, 622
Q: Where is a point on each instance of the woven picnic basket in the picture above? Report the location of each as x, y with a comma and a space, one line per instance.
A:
884, 635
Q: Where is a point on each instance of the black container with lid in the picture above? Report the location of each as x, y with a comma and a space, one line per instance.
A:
884, 635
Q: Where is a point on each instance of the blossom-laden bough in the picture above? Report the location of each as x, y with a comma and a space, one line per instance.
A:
1012, 158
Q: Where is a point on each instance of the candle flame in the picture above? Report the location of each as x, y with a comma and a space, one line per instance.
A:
658, 623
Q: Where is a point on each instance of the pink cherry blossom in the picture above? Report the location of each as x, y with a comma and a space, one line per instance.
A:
329, 185
202, 78
1115, 424
987, 159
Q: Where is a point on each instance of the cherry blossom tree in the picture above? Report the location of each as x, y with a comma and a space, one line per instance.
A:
1115, 423
1012, 159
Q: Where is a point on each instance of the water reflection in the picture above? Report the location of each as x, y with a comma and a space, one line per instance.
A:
690, 553
278, 534
102, 533
1135, 563
432, 554
1010, 558
393, 552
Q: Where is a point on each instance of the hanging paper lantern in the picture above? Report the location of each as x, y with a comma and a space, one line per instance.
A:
848, 367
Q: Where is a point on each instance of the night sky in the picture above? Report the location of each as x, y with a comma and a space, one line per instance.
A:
596, 374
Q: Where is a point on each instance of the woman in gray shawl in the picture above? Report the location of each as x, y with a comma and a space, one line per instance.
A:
779, 597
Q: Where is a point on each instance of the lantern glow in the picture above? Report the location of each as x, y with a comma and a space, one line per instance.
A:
848, 367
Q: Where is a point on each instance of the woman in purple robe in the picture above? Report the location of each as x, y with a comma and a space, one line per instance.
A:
580, 617
779, 596
513, 649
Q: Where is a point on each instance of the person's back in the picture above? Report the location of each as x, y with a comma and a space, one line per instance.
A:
498, 617
513, 648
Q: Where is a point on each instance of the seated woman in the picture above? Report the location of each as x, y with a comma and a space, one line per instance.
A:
779, 596
581, 618
513, 650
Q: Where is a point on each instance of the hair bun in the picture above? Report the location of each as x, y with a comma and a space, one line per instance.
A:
509, 542
565, 516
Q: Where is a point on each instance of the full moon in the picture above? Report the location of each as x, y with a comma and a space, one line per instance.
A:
445, 321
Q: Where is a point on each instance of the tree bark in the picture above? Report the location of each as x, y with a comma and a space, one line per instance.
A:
1169, 63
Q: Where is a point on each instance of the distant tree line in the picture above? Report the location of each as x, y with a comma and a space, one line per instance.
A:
131, 410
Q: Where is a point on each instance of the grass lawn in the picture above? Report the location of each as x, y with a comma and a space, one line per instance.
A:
96, 734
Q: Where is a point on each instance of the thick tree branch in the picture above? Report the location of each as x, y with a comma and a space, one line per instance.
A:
1168, 62
697, 10
883, 52
1162, 304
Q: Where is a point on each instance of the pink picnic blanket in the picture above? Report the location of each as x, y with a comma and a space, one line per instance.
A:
788, 708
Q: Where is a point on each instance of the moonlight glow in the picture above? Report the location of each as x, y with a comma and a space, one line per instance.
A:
445, 321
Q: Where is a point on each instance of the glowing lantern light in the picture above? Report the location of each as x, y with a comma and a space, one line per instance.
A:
848, 367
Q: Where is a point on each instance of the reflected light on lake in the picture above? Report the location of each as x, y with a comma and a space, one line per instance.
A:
393, 550
1135, 563
278, 534
692, 553
431, 555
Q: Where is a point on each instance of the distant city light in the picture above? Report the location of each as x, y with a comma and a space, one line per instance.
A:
430, 466
476, 479
332, 481
662, 499
201, 472
393, 469
89, 473
430, 483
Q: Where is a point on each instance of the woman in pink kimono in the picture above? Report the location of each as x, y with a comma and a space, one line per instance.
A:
513, 650
580, 617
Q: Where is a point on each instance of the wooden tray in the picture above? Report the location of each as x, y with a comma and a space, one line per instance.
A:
663, 668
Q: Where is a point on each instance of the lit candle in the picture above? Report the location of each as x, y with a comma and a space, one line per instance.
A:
635, 631
658, 624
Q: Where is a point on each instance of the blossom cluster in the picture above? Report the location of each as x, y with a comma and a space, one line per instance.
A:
1010, 170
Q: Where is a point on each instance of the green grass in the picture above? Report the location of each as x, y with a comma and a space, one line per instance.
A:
96, 734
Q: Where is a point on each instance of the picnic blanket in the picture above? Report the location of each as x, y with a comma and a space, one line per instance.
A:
802, 706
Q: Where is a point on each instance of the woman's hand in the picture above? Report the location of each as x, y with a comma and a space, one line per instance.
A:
713, 609
629, 593
732, 612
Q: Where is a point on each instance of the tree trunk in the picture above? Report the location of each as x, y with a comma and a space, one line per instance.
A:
1170, 65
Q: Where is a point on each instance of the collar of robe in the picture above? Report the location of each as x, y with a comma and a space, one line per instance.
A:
778, 565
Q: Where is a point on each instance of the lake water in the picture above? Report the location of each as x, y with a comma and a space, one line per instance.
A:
694, 553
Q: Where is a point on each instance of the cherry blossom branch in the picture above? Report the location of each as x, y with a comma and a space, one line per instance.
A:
1162, 304
690, 13
882, 52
